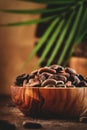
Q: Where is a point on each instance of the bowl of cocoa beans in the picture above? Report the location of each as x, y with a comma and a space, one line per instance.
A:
51, 90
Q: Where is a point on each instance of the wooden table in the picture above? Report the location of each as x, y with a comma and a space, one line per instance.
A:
12, 114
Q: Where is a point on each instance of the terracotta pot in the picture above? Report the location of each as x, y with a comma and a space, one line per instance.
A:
69, 102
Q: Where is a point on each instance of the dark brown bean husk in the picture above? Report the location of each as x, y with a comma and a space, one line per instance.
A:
80, 77
49, 81
83, 119
46, 69
70, 70
58, 77
68, 83
34, 72
82, 83
76, 81
44, 76
31, 125
58, 68
60, 84
21, 78
63, 73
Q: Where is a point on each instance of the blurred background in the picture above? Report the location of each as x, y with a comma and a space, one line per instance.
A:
17, 43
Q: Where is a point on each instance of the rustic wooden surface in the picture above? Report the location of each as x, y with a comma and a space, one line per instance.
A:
12, 114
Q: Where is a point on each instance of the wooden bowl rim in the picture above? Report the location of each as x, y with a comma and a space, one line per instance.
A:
60, 88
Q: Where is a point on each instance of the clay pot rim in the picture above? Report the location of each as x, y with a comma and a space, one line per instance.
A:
67, 88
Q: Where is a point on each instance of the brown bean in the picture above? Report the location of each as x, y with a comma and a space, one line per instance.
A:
83, 119
56, 67
46, 69
44, 76
80, 77
31, 81
68, 83
31, 125
20, 79
82, 84
70, 70
63, 73
34, 72
58, 77
76, 80
49, 81
60, 84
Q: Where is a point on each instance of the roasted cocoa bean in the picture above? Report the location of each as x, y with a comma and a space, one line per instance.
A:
70, 70
31, 125
60, 84
49, 81
83, 119
68, 83
82, 84
46, 69
21, 78
58, 77
58, 68
33, 73
44, 76
81, 77
63, 73
76, 80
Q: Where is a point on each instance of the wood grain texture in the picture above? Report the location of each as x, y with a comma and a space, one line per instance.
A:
69, 102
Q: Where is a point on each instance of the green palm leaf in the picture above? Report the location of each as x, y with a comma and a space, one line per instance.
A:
73, 48
51, 41
35, 21
72, 33
60, 39
35, 11
52, 1
42, 40
78, 41
83, 24
69, 56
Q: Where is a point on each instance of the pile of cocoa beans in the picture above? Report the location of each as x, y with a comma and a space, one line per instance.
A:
52, 76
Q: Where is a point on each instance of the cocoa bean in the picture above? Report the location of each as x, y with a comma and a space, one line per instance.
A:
70, 70
49, 81
46, 69
58, 68
21, 78
31, 125
58, 77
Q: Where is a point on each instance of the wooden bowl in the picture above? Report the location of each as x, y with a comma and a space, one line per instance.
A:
69, 102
